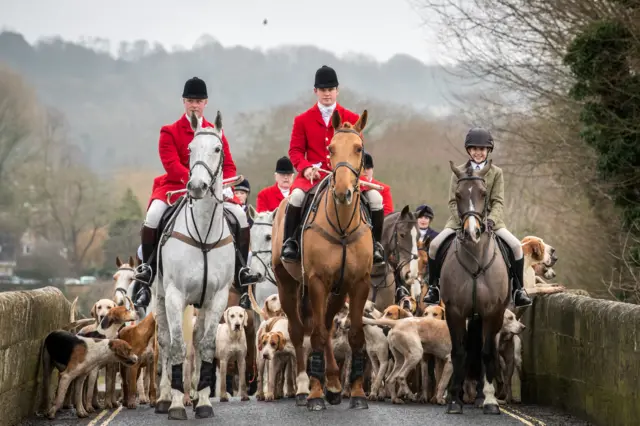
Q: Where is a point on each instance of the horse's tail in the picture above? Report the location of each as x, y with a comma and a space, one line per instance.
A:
254, 304
385, 322
474, 347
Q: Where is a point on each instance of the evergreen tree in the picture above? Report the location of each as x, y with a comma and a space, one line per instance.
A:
124, 230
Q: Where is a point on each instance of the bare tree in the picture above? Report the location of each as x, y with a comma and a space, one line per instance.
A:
69, 203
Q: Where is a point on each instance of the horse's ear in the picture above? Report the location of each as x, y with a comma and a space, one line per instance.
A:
455, 170
218, 122
194, 121
336, 120
405, 211
362, 122
131, 260
118, 261
272, 215
485, 169
251, 212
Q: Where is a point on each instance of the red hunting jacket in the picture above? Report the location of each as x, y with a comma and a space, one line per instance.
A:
310, 138
387, 200
269, 199
174, 154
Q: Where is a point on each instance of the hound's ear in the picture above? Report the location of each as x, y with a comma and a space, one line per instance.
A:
94, 312
281, 341
246, 319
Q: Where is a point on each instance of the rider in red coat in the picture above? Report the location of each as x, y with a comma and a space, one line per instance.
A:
310, 137
174, 154
387, 200
269, 198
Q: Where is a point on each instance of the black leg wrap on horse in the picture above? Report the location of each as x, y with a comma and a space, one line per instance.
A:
358, 362
206, 375
177, 381
315, 366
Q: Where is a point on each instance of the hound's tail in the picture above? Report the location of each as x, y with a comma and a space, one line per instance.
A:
254, 304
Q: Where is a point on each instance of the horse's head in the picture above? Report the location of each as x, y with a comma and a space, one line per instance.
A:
261, 231
346, 155
122, 280
205, 159
471, 193
401, 240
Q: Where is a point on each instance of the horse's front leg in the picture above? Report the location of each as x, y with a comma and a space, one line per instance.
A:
175, 305
334, 386
288, 291
357, 299
164, 401
206, 348
319, 340
458, 334
490, 328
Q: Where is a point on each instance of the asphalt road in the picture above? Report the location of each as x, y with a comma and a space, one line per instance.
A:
285, 413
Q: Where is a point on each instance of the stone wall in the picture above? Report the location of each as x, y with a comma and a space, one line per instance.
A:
583, 355
26, 317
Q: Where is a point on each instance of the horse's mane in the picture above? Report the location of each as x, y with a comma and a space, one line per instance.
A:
346, 125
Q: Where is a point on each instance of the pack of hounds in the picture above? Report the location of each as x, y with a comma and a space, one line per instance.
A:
408, 347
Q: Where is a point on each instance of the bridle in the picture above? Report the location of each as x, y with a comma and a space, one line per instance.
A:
480, 216
339, 229
267, 265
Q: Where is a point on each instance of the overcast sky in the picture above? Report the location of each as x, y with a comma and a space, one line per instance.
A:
380, 28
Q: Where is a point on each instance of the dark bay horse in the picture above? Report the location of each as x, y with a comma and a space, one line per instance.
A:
475, 287
337, 256
393, 280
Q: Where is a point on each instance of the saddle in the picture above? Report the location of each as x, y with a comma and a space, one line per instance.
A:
165, 227
503, 247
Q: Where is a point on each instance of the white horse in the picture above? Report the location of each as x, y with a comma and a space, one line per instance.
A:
198, 264
261, 254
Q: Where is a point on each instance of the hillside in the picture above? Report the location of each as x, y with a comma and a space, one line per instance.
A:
115, 106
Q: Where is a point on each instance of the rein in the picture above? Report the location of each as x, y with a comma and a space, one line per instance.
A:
344, 238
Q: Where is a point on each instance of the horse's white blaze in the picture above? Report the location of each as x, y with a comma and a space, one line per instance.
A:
413, 265
261, 257
473, 222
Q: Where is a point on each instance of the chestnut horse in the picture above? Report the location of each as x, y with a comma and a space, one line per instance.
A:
337, 257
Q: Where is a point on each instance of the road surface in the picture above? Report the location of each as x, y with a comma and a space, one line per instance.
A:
285, 413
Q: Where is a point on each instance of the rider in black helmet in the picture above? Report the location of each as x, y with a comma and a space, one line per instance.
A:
478, 144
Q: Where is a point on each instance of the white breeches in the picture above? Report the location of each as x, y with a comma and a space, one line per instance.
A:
508, 237
373, 197
238, 213
157, 209
154, 214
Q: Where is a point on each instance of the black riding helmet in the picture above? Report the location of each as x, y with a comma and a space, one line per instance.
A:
478, 137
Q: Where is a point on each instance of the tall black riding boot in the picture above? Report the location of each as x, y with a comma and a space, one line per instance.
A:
433, 293
377, 222
520, 298
290, 252
145, 272
243, 275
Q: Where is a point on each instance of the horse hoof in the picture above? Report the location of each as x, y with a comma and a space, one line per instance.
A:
316, 404
204, 412
334, 398
479, 402
491, 409
179, 413
454, 408
358, 402
162, 407
301, 399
